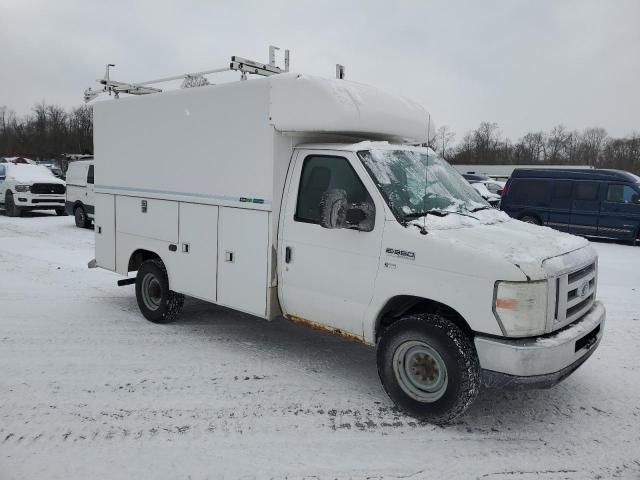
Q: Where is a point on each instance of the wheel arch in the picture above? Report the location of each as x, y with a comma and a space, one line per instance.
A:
398, 306
139, 256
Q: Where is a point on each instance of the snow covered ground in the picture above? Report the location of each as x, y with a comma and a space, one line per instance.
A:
89, 389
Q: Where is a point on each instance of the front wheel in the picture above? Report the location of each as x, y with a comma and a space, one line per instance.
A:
530, 219
81, 218
10, 207
428, 367
157, 303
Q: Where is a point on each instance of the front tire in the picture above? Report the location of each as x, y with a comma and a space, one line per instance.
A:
531, 219
10, 207
428, 367
82, 221
157, 303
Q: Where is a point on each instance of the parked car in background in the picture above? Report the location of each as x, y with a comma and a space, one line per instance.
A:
80, 192
30, 187
494, 186
492, 198
51, 165
591, 203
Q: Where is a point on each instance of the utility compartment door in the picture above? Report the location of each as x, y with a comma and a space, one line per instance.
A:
195, 266
242, 259
105, 230
148, 217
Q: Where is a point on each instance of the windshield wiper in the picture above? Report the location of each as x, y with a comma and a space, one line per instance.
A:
437, 213
486, 207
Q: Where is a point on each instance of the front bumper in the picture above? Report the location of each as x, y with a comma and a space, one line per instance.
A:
27, 200
540, 362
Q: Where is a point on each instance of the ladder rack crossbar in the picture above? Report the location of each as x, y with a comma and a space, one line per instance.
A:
183, 76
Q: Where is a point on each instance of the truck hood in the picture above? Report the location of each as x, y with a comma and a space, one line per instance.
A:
37, 174
30, 174
524, 245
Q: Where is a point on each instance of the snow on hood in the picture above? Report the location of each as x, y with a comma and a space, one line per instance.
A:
494, 233
31, 174
454, 220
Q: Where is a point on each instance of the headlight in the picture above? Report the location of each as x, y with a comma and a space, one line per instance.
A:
23, 188
521, 308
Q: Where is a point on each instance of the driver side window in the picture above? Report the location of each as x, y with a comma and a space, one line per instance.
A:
621, 194
90, 175
321, 173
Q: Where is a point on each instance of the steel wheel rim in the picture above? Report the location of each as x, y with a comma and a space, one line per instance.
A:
151, 291
79, 215
420, 371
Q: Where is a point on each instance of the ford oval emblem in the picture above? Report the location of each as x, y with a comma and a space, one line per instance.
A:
584, 289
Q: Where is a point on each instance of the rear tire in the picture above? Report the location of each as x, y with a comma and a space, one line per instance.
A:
531, 219
157, 303
428, 367
10, 207
82, 221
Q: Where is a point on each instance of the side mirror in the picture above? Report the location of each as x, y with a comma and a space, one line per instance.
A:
337, 212
2, 178
333, 209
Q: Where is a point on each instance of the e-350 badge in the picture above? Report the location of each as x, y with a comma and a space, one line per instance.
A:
401, 253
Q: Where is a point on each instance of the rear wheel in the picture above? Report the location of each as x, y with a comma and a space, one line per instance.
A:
81, 218
157, 303
11, 209
531, 219
428, 367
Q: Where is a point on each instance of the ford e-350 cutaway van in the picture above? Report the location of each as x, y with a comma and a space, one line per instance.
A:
296, 196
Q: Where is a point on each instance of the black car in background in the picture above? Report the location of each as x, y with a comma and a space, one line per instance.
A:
591, 203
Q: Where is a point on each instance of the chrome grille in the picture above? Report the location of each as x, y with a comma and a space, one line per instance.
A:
575, 294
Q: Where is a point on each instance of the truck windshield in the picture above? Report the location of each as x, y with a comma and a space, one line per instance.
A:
418, 182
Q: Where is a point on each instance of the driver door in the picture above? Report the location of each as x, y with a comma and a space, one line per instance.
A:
327, 276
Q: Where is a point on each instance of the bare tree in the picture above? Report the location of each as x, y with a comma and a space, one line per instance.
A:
592, 142
444, 139
557, 143
533, 147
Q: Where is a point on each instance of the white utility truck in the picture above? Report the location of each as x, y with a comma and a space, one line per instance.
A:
80, 192
303, 197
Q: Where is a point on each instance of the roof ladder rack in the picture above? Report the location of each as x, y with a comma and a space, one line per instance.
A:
189, 80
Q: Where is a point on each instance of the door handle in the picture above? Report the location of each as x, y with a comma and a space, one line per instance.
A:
287, 255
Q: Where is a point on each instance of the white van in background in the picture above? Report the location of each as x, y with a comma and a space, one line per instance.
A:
30, 187
80, 192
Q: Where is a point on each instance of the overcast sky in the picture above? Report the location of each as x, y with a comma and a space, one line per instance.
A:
526, 65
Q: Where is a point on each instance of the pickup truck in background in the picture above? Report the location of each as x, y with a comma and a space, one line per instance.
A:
304, 197
30, 187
